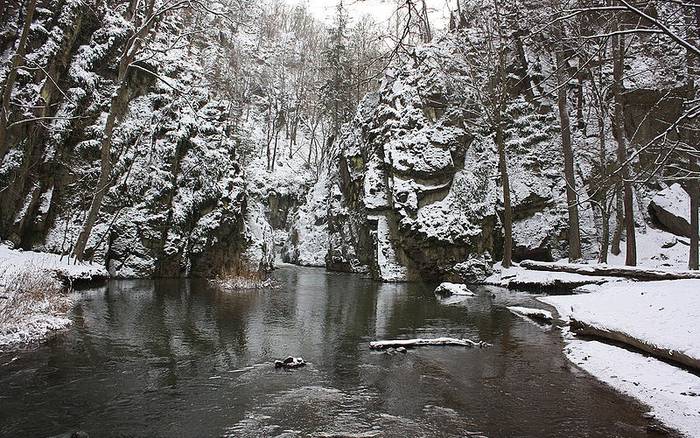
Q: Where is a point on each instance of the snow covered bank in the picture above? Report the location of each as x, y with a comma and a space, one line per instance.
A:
660, 318
672, 393
33, 302
61, 268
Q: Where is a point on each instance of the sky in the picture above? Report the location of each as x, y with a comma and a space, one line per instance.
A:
380, 10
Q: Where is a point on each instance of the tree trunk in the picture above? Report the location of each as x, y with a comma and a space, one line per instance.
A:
619, 224
274, 151
12, 77
605, 238
619, 133
104, 180
694, 188
569, 174
507, 210
604, 205
609, 271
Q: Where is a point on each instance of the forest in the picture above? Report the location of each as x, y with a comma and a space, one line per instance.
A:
377, 185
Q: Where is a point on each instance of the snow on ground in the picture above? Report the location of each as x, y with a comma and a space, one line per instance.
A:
664, 314
657, 249
17, 260
32, 302
672, 393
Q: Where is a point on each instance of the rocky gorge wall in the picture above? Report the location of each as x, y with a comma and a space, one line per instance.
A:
413, 191
178, 202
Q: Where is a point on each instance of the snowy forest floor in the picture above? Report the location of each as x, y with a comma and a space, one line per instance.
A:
33, 294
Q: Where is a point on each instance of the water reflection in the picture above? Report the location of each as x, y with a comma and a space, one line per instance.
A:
181, 358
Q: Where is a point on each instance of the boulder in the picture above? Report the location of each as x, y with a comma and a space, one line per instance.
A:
454, 289
670, 209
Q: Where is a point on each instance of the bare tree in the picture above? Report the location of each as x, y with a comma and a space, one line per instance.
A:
487, 56
17, 61
143, 17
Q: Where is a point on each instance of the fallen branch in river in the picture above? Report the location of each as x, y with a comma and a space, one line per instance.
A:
534, 314
610, 271
410, 343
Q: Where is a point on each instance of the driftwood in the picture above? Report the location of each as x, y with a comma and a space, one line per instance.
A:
539, 315
677, 357
410, 343
610, 271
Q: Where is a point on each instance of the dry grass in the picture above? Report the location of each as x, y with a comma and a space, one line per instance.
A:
29, 291
245, 280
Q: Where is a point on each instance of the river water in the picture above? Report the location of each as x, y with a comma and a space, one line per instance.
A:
180, 358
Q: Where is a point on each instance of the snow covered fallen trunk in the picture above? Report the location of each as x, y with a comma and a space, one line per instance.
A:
518, 278
659, 318
454, 289
534, 314
583, 328
610, 271
410, 343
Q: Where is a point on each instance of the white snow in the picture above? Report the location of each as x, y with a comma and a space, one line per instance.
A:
390, 269
538, 314
663, 314
670, 392
454, 289
517, 277
53, 264
32, 314
660, 313
675, 200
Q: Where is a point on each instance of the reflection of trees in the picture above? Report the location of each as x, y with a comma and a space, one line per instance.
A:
349, 317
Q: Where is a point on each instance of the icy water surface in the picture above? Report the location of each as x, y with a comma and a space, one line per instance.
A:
179, 358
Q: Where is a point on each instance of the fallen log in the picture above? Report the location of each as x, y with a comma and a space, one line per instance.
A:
610, 271
410, 343
539, 315
583, 328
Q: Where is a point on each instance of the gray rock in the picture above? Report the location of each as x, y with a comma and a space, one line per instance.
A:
670, 209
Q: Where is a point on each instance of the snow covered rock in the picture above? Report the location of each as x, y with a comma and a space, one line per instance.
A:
454, 289
411, 192
307, 244
671, 209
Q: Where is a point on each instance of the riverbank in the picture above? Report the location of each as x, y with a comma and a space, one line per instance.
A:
641, 338
34, 294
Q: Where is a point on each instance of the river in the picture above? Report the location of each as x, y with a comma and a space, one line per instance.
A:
174, 358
